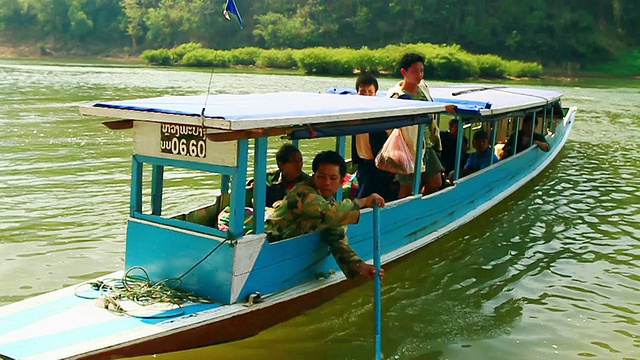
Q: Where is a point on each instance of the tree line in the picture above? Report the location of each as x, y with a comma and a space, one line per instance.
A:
546, 31
441, 61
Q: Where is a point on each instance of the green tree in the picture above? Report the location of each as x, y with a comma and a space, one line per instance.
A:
296, 31
9, 13
80, 24
553, 32
135, 12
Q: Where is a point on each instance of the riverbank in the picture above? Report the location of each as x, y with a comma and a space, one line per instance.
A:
32, 49
18, 51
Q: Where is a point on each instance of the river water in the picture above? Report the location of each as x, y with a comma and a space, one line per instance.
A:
551, 272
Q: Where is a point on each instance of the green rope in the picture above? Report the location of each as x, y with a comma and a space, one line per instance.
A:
139, 289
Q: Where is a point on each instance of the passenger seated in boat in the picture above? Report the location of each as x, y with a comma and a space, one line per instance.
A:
524, 138
449, 141
365, 147
481, 158
412, 70
281, 181
311, 206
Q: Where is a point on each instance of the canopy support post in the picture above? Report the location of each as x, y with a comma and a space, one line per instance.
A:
259, 183
157, 174
238, 193
341, 148
417, 174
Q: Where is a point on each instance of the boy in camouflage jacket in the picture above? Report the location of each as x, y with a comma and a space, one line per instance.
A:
310, 206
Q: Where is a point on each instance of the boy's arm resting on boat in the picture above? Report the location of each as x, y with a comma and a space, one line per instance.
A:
541, 141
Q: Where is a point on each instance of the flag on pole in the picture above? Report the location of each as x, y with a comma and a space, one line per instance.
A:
231, 7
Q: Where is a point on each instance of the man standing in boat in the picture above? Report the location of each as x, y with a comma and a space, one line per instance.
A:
311, 206
412, 70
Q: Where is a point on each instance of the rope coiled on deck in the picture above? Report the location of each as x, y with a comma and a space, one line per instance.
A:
136, 286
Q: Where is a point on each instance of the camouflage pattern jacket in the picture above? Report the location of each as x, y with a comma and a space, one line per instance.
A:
304, 211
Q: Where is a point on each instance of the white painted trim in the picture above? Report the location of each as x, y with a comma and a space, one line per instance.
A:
246, 253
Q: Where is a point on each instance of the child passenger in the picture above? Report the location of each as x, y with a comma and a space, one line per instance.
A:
365, 147
483, 155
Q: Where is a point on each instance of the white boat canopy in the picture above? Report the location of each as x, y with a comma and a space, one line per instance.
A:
494, 101
485, 101
259, 111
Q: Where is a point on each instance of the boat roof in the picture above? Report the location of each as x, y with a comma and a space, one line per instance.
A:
260, 111
491, 101
484, 101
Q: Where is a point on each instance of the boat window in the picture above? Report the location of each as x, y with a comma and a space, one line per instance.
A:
179, 197
504, 127
186, 189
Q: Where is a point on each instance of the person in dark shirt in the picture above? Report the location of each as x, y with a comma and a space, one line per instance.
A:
281, 181
449, 141
524, 138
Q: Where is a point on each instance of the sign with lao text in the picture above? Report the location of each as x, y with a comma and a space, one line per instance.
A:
185, 140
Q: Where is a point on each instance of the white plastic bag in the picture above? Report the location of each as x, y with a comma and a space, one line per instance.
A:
395, 156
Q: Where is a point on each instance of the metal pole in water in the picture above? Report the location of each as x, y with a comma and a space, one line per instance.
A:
377, 299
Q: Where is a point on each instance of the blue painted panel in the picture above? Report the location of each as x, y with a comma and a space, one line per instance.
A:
287, 263
168, 253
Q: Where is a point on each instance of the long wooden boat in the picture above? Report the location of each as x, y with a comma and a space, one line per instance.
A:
253, 284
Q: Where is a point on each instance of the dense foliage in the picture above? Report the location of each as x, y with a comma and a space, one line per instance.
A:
547, 31
441, 61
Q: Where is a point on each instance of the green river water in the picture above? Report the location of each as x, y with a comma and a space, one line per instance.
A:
552, 272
